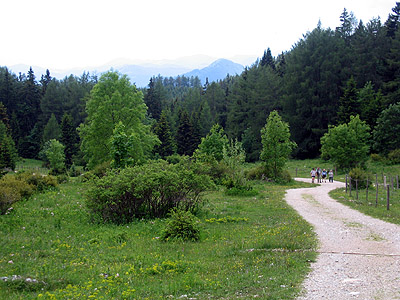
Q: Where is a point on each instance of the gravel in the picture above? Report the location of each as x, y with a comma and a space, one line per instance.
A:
359, 256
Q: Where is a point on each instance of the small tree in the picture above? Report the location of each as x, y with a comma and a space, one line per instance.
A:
277, 146
55, 155
386, 133
51, 130
211, 147
347, 144
8, 152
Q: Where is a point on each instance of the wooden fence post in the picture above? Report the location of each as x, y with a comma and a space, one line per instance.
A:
346, 183
388, 198
366, 196
384, 181
357, 189
376, 184
350, 186
397, 180
391, 182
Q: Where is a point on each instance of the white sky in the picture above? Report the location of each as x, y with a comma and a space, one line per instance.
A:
59, 34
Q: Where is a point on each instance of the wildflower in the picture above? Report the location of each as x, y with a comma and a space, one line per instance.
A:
10, 262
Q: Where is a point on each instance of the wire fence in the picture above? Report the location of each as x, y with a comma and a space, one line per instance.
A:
33, 169
382, 187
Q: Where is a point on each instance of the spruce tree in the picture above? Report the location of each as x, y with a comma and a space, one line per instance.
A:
69, 138
348, 103
184, 136
163, 131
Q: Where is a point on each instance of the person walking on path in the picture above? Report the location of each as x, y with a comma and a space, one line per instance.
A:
324, 175
313, 172
318, 175
330, 174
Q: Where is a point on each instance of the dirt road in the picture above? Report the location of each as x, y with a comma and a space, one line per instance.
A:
359, 256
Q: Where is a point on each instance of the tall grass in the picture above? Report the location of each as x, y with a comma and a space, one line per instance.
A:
250, 247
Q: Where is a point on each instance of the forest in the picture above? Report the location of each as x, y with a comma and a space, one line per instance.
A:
328, 76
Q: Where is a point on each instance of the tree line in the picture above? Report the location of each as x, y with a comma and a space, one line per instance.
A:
328, 76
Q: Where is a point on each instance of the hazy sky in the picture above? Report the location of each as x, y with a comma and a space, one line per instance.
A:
80, 33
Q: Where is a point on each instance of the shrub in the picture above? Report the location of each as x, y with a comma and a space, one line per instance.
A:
182, 225
13, 190
245, 190
150, 190
98, 171
361, 176
394, 156
256, 173
377, 157
39, 182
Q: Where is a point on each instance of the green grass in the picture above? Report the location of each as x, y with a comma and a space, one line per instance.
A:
367, 206
31, 165
263, 251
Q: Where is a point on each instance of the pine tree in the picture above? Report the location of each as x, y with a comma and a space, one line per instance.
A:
51, 130
163, 131
184, 137
69, 138
348, 103
154, 97
8, 152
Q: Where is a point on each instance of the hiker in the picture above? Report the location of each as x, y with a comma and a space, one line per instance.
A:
313, 172
324, 175
330, 174
319, 175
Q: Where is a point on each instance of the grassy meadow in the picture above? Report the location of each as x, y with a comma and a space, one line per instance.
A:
375, 206
251, 247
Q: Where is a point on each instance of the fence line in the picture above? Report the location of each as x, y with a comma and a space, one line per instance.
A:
390, 185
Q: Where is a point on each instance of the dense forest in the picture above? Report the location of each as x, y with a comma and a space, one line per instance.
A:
327, 76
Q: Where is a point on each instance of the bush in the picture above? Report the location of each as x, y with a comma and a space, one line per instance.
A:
98, 171
361, 176
13, 190
39, 182
182, 225
246, 191
377, 158
150, 190
394, 157
256, 173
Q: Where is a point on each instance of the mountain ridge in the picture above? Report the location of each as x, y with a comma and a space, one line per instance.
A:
140, 72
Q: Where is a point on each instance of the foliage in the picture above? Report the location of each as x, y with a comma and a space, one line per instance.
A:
56, 157
51, 240
275, 137
394, 156
123, 150
234, 158
347, 144
39, 182
211, 146
98, 171
112, 100
386, 133
69, 138
361, 176
163, 131
150, 190
13, 190
52, 130
181, 225
8, 152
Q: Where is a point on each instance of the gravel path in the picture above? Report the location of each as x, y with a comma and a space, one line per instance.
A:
359, 256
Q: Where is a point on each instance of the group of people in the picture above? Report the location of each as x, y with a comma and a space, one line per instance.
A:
321, 175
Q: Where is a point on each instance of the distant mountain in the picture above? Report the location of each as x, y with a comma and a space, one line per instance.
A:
217, 70
140, 72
